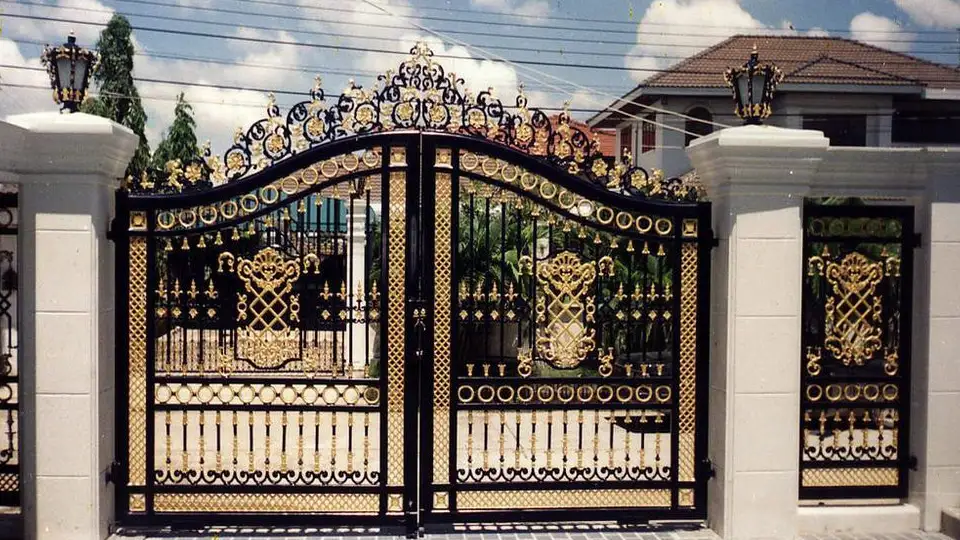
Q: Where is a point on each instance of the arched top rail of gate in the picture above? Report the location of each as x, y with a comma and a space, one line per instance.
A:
419, 96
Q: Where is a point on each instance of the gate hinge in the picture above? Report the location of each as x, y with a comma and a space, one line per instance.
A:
113, 473
706, 470
912, 463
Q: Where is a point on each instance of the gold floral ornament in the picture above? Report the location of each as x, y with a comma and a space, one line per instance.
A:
419, 95
565, 309
854, 310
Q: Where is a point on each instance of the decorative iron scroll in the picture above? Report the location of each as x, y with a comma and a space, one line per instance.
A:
420, 94
856, 309
10, 449
565, 310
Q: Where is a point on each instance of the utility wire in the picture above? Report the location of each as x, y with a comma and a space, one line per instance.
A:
560, 51
497, 35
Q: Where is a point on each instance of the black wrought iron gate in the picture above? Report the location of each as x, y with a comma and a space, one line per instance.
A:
411, 307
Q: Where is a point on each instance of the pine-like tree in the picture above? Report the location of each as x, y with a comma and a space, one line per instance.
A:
118, 98
180, 141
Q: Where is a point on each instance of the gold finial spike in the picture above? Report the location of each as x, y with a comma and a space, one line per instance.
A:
317, 82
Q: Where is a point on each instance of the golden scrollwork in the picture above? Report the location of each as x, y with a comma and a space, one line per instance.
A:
565, 310
268, 308
853, 312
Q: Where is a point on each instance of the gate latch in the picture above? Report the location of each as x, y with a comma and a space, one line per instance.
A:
113, 473
706, 470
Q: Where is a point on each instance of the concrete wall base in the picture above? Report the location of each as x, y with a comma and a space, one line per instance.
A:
950, 522
860, 519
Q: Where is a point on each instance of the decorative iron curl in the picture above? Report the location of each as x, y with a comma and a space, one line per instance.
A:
421, 94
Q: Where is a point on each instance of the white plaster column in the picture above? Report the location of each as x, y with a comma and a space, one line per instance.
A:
757, 177
356, 268
68, 168
935, 439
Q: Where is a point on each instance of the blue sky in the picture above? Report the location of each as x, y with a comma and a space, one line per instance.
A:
643, 35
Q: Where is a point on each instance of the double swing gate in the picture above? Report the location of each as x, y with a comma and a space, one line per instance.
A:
411, 307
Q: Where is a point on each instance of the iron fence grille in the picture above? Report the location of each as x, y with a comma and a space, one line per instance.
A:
855, 371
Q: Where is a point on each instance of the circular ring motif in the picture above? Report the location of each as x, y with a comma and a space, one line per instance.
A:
490, 166
890, 392
548, 190
624, 220
545, 394
585, 208
624, 393
228, 210
505, 397
205, 394
566, 199
226, 394
465, 394
605, 370
329, 168
310, 395
330, 395
187, 218
852, 396
644, 224
164, 393
269, 194
525, 394
166, 220
664, 393
566, 393
372, 395
288, 395
585, 396
814, 392
605, 393
289, 185
834, 392
370, 158
267, 394
249, 203
663, 226
510, 173
246, 394
528, 181
469, 161
351, 162
184, 394
208, 215
644, 393
351, 395
871, 392
309, 176
486, 393
604, 215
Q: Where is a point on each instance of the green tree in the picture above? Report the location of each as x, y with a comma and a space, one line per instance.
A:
180, 141
118, 98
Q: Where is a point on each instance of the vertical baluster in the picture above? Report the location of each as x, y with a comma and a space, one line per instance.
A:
549, 439
333, 442
516, 449
533, 439
283, 444
250, 457
366, 443
316, 442
580, 439
612, 423
486, 439
168, 446
350, 442
565, 445
470, 440
219, 463
596, 439
627, 420
236, 442
201, 443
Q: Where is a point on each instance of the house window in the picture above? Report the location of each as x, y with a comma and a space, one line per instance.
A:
648, 132
841, 129
926, 128
697, 125
626, 141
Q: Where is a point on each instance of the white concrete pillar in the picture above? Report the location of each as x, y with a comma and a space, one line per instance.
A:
356, 269
68, 168
757, 177
935, 439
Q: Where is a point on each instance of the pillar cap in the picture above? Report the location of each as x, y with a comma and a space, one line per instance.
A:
63, 147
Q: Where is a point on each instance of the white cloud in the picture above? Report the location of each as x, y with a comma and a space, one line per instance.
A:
14, 99
675, 21
880, 31
533, 10
933, 13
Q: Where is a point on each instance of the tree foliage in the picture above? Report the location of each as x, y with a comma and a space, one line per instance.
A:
118, 98
180, 141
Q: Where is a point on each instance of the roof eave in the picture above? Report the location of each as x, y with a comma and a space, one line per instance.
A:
630, 96
942, 94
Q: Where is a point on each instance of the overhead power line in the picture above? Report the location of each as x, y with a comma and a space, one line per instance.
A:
498, 35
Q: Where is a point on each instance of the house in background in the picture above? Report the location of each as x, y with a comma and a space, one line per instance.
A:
857, 94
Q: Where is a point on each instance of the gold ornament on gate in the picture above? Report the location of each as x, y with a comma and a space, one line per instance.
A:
854, 311
565, 309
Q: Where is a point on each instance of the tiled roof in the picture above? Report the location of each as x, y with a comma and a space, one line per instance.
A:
811, 60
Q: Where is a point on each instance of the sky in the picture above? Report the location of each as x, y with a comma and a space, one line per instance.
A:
246, 48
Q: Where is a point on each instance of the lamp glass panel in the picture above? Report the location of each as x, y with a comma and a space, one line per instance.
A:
63, 71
